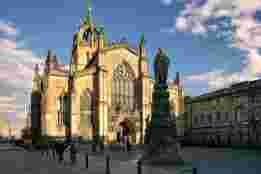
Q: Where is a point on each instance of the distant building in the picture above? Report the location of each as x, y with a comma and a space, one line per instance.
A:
4, 128
227, 116
107, 84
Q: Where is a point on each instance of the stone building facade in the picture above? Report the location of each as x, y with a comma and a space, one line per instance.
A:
229, 116
108, 83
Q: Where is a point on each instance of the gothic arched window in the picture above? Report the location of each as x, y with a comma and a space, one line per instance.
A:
60, 110
86, 107
123, 88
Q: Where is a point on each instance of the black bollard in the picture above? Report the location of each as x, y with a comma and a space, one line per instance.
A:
93, 147
139, 171
108, 170
86, 161
194, 171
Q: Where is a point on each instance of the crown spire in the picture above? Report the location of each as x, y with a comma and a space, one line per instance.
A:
142, 40
88, 17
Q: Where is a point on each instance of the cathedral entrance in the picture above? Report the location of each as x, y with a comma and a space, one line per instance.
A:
127, 129
86, 113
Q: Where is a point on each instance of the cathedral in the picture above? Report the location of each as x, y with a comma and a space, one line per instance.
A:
108, 83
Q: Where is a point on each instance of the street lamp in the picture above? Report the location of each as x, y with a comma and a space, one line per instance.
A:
9, 129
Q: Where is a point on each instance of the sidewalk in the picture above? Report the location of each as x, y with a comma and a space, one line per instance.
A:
120, 163
10, 147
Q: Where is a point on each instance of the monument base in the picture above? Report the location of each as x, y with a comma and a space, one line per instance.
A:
163, 148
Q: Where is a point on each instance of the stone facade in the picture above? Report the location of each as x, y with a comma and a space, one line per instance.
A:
109, 82
227, 116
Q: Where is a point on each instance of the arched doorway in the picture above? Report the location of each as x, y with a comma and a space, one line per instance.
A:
86, 114
130, 127
123, 104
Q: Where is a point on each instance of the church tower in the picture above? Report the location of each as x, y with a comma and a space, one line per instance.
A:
87, 41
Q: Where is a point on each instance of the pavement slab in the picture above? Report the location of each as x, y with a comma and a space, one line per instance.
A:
214, 161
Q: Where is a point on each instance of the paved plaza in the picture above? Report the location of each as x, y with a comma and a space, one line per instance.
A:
214, 161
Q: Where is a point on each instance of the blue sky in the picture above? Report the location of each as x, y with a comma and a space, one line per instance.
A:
212, 43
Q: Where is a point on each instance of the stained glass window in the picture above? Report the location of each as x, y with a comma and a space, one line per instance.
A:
123, 88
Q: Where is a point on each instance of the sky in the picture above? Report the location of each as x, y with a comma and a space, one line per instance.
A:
212, 43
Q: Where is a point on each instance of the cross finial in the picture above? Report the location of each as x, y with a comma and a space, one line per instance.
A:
88, 17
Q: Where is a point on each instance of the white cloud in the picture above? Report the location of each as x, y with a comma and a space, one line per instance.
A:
182, 23
16, 71
246, 35
8, 28
7, 43
217, 79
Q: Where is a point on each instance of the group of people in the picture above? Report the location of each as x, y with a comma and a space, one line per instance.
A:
57, 150
123, 139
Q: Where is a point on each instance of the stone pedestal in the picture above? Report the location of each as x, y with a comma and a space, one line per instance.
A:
162, 147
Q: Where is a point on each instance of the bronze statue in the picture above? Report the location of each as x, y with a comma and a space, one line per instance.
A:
161, 65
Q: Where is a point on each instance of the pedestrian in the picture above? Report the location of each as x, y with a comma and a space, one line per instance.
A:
179, 148
60, 150
118, 137
41, 148
128, 145
73, 154
125, 138
47, 150
53, 150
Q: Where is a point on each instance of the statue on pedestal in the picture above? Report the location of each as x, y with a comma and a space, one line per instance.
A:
161, 144
161, 67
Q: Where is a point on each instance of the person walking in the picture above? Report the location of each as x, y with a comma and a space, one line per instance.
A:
118, 137
53, 150
128, 145
125, 138
60, 148
73, 154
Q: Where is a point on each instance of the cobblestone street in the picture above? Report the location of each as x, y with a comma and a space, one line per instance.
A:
214, 161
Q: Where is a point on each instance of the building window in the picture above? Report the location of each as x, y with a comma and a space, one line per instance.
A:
218, 100
209, 118
196, 120
60, 110
218, 116
226, 116
202, 117
123, 88
237, 114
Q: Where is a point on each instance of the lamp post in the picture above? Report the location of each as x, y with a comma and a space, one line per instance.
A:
9, 130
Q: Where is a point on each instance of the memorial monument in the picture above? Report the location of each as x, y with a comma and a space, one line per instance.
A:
161, 147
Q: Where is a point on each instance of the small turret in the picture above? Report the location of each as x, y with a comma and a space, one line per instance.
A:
36, 79
36, 69
142, 49
100, 38
88, 18
177, 80
50, 62
55, 60
143, 63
